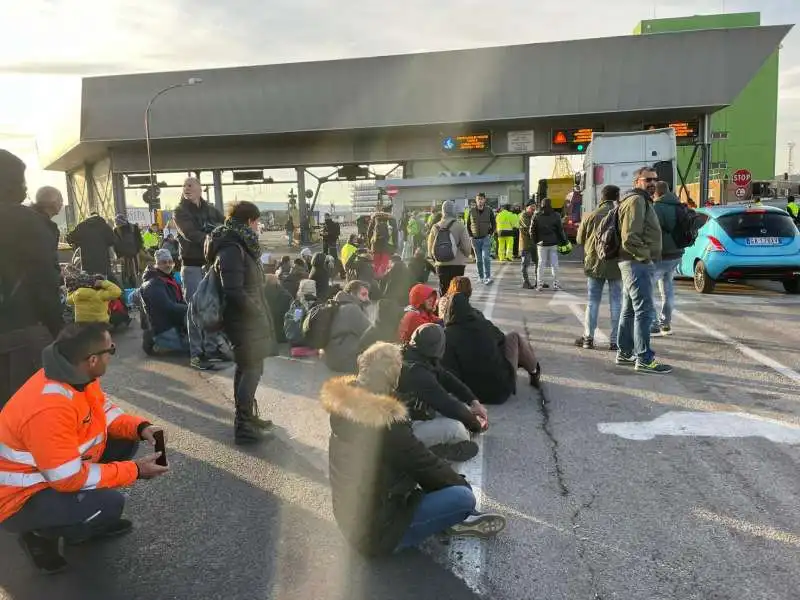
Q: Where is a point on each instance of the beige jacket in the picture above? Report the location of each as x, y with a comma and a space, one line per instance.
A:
463, 243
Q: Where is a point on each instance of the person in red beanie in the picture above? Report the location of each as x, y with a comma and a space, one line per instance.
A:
421, 309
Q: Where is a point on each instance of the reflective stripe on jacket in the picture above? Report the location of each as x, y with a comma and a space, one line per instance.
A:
53, 435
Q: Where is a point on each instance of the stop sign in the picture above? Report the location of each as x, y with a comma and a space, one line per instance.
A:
742, 178
391, 191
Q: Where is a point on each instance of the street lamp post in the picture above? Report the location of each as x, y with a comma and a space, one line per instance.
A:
153, 187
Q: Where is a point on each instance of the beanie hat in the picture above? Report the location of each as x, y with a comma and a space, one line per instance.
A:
429, 340
162, 254
307, 287
448, 208
305, 252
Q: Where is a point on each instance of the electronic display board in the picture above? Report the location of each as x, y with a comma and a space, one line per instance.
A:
571, 140
468, 143
685, 131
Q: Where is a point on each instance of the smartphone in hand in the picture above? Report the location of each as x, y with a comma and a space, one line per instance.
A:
160, 447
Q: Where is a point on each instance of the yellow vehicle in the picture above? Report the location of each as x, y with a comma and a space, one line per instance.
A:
557, 190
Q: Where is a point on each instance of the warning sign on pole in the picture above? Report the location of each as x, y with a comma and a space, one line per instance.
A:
742, 178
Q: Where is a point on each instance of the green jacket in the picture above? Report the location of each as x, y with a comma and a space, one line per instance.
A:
639, 228
665, 208
587, 235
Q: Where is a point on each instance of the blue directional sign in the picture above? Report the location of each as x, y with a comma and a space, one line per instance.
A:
448, 143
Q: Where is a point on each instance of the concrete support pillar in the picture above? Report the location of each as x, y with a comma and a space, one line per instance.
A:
72, 204
118, 189
705, 158
218, 201
302, 206
526, 185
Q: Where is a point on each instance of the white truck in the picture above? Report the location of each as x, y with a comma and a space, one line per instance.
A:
612, 158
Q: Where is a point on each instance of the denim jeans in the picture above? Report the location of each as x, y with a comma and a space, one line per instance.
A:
663, 274
246, 378
594, 288
637, 310
171, 340
529, 257
483, 256
438, 511
200, 342
440, 430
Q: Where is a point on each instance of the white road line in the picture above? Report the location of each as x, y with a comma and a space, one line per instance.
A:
580, 314
746, 350
468, 555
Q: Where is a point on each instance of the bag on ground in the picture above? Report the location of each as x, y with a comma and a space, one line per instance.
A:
609, 241
207, 304
444, 246
318, 323
684, 234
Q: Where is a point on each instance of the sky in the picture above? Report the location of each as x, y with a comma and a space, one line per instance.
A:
52, 43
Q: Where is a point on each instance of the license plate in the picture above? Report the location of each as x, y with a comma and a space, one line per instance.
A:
764, 241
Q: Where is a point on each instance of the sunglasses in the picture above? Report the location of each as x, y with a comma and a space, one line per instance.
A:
111, 351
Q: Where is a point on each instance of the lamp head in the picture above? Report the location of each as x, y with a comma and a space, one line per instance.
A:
194, 80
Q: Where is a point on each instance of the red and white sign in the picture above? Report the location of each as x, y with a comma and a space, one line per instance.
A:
391, 191
742, 178
741, 193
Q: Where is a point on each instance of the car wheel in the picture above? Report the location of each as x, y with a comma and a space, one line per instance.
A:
702, 282
792, 286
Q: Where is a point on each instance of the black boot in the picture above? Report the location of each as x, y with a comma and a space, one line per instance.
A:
245, 432
263, 424
536, 377
526, 285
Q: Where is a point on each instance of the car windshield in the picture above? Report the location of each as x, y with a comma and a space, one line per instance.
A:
757, 224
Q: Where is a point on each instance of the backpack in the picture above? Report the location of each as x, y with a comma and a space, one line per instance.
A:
208, 304
318, 324
293, 323
444, 246
608, 241
381, 234
684, 234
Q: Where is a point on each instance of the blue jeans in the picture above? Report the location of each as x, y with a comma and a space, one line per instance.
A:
594, 288
663, 274
200, 342
529, 257
436, 512
637, 310
171, 340
483, 256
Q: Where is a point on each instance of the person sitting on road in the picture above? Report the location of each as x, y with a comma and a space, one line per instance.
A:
387, 317
164, 307
307, 257
444, 410
420, 267
397, 282
389, 491
349, 324
67, 446
90, 295
348, 251
284, 268
294, 317
421, 309
321, 275
292, 281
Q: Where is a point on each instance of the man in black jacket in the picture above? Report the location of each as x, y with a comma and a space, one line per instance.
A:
195, 218
330, 237
95, 239
444, 411
30, 310
165, 308
128, 245
48, 204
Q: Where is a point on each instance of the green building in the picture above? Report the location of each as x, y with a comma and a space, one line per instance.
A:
750, 122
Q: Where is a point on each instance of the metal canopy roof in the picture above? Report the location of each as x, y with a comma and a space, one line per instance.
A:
693, 70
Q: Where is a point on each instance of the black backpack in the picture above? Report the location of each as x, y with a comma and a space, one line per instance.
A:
318, 324
608, 242
444, 247
684, 233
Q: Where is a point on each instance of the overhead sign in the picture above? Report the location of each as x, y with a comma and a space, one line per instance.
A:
520, 141
468, 143
741, 193
685, 131
742, 178
571, 140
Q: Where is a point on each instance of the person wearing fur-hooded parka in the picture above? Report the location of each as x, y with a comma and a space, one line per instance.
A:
389, 491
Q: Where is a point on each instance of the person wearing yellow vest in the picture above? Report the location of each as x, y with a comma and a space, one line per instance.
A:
348, 251
64, 449
793, 209
507, 221
150, 239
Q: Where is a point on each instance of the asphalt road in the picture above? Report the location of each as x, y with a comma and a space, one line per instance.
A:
592, 513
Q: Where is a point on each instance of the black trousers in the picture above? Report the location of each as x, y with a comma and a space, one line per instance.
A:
446, 274
20, 357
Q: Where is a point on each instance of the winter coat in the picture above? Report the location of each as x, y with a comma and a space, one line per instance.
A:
587, 236
420, 269
458, 230
246, 320
640, 231
128, 240
379, 471
480, 223
91, 304
547, 228
291, 281
30, 277
474, 352
163, 301
666, 208
51, 225
526, 242
415, 313
396, 284
387, 317
429, 389
95, 238
278, 301
349, 324
293, 320
321, 275
331, 231
193, 224
387, 246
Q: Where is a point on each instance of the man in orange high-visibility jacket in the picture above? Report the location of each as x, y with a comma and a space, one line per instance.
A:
64, 447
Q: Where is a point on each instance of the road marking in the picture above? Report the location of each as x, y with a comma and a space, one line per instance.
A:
574, 303
761, 531
746, 350
468, 555
705, 424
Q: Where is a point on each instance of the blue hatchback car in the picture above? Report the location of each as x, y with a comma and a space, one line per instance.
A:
738, 242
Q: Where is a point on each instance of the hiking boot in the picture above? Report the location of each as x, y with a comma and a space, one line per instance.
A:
201, 363
625, 360
536, 377
481, 525
262, 424
653, 367
585, 342
458, 452
613, 347
148, 344
118, 528
246, 432
44, 553
666, 330
526, 285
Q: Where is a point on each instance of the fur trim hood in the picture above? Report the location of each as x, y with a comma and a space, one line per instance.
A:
345, 398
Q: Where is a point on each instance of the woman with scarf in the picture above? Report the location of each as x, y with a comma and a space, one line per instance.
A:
234, 250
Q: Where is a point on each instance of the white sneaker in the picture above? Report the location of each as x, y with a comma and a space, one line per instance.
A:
556, 286
488, 281
481, 525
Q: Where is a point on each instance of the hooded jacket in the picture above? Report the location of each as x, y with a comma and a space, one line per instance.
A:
91, 303
458, 231
427, 388
128, 240
547, 228
474, 352
666, 208
246, 319
163, 301
94, 237
415, 313
291, 280
321, 275
379, 471
387, 316
54, 430
349, 324
587, 237
193, 224
640, 231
